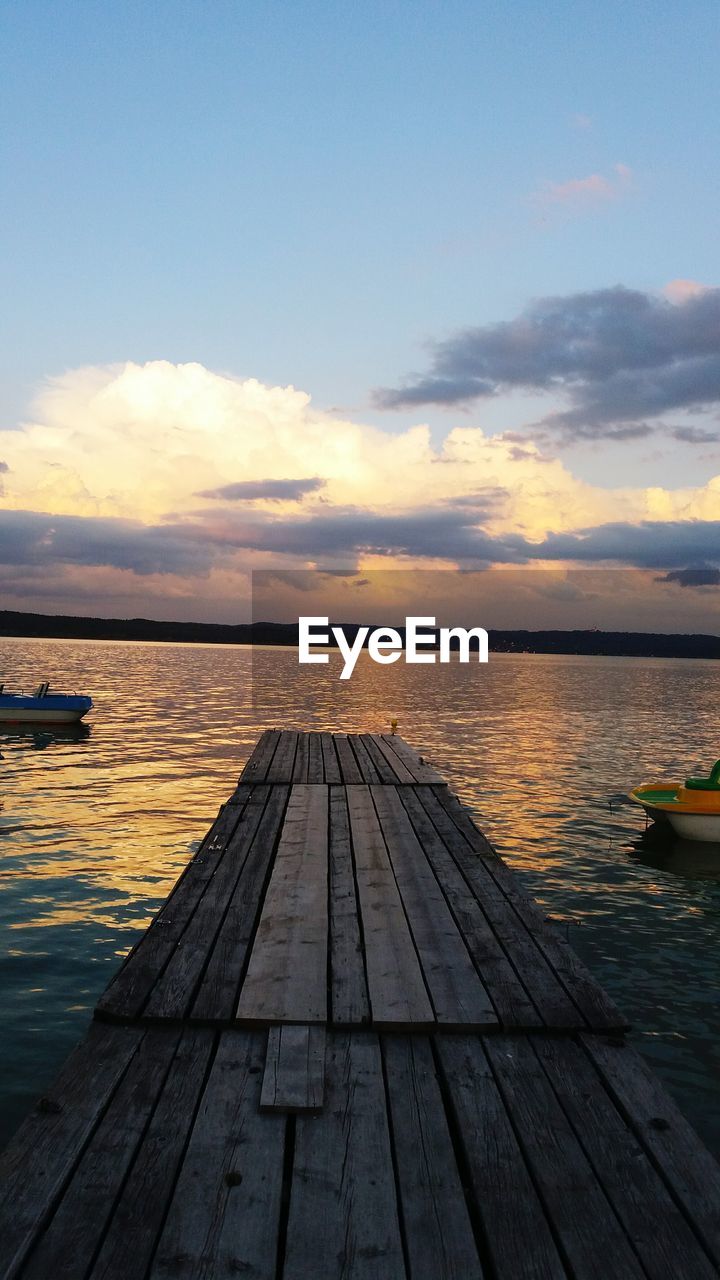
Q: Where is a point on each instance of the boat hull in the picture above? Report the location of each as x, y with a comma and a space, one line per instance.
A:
696, 826
57, 709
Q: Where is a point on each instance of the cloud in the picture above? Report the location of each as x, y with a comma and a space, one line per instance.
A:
651, 544
693, 577
681, 290
619, 356
32, 538
695, 435
102, 482
271, 490
579, 193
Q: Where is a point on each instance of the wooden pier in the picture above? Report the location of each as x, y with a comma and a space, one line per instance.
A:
349, 1045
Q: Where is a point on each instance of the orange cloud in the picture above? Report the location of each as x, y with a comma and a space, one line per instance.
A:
596, 188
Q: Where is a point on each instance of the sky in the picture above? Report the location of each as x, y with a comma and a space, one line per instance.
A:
410, 285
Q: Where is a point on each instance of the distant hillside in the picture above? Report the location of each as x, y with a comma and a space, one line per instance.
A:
611, 643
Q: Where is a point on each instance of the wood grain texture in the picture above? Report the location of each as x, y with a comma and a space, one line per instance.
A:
397, 991
515, 1226
315, 769
286, 980
294, 1076
42, 1155
349, 767
343, 1218
223, 1220
349, 1002
129, 1242
672, 1144
173, 992
414, 763
300, 764
218, 993
283, 761
331, 764
127, 993
510, 999
439, 1236
583, 1220
401, 773
598, 1010
68, 1246
365, 762
458, 995
543, 986
386, 772
256, 768
639, 1195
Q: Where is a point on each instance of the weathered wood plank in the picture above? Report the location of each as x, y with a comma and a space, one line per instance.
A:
343, 1218
350, 769
281, 765
686, 1165
127, 992
300, 764
418, 767
537, 975
70, 1242
315, 771
219, 989
401, 773
294, 1076
514, 1223
654, 1223
365, 763
583, 1220
173, 992
398, 996
385, 771
40, 1158
349, 1001
132, 1234
438, 1233
600, 1012
458, 995
223, 1220
257, 765
286, 978
331, 764
511, 1001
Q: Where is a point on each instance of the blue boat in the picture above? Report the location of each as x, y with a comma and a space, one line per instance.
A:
42, 707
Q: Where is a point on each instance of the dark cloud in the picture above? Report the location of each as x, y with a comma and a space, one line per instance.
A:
693, 577
439, 532
695, 435
620, 356
277, 490
653, 544
29, 540
33, 538
4, 467
452, 533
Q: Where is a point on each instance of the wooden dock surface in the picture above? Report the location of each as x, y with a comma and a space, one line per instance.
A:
349, 1045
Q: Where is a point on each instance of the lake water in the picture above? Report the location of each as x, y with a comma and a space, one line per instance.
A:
95, 830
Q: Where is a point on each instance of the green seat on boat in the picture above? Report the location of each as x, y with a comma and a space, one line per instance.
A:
706, 784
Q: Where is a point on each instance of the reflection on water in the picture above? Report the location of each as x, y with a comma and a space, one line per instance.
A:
95, 828
659, 847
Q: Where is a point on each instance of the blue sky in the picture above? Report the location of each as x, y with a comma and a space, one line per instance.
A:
311, 193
